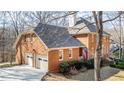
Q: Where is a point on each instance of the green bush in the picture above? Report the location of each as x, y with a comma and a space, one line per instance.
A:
112, 64
79, 64
117, 63
64, 67
89, 64
119, 66
120, 63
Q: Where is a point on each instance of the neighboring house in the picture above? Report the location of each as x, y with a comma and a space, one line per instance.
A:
85, 32
46, 46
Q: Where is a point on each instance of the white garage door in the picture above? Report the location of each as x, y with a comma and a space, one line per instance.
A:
42, 63
29, 59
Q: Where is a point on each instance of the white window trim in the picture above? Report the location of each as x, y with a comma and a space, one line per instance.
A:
62, 55
71, 52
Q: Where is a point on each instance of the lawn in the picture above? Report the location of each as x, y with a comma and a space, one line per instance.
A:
106, 72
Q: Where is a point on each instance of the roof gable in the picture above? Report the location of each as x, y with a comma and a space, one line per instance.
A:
83, 26
82, 21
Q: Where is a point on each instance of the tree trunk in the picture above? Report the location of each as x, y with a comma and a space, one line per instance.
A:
120, 51
97, 57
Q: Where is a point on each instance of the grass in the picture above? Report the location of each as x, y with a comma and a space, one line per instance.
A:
8, 65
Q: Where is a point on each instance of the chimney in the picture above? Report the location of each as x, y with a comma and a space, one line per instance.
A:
72, 19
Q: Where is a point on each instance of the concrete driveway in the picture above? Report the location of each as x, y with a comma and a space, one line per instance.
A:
22, 72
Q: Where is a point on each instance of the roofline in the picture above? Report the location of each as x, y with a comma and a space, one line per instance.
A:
83, 33
90, 33
26, 32
41, 40
64, 47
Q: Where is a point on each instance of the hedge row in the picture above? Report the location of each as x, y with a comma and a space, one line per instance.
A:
64, 67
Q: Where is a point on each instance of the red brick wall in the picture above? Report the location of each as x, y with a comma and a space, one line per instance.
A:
36, 47
53, 57
89, 40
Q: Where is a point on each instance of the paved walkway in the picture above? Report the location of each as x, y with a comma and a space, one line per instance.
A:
22, 72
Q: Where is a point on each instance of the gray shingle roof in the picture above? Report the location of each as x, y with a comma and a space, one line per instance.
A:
55, 36
91, 27
86, 25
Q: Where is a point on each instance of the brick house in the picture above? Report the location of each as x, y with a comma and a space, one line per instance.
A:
46, 46
85, 32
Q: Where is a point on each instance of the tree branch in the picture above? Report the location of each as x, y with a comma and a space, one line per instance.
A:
120, 13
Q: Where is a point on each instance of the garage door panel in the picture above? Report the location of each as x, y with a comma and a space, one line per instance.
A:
29, 59
42, 63
38, 63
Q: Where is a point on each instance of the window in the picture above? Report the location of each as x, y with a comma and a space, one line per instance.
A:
60, 55
44, 60
70, 53
31, 38
39, 59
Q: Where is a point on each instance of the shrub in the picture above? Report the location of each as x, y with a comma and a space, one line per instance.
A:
120, 63
117, 64
112, 64
64, 67
89, 64
79, 64
72, 63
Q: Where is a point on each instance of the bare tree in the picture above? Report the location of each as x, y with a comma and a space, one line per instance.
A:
98, 17
99, 31
16, 21
3, 37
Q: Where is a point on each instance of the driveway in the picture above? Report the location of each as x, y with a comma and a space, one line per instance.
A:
22, 72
